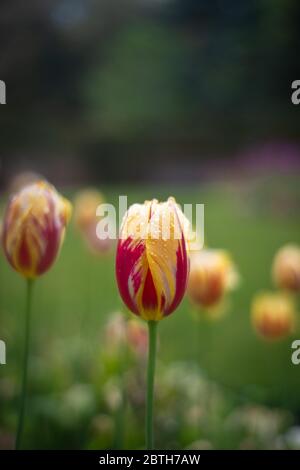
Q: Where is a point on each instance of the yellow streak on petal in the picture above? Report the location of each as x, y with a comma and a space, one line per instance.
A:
165, 236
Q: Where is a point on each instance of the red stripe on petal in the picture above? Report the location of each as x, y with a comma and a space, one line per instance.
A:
50, 233
51, 238
24, 257
149, 298
128, 277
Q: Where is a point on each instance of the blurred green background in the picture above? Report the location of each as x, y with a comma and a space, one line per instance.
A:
152, 98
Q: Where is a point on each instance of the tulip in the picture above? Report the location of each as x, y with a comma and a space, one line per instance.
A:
286, 268
34, 227
212, 276
152, 262
33, 231
273, 315
85, 207
86, 220
152, 269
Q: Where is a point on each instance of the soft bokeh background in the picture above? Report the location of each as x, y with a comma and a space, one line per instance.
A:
150, 98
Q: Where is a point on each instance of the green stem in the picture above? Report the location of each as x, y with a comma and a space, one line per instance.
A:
152, 329
25, 365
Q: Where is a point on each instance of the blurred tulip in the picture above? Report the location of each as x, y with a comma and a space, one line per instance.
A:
286, 268
273, 315
34, 227
152, 262
212, 275
152, 269
86, 220
85, 206
33, 231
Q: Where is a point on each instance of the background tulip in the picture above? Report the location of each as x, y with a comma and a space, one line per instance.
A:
33, 232
273, 315
152, 269
85, 207
85, 218
212, 275
286, 268
34, 227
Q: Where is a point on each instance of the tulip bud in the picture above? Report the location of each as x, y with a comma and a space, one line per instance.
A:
286, 268
33, 228
273, 315
152, 263
212, 275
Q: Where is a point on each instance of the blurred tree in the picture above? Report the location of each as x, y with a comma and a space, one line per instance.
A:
90, 78
136, 90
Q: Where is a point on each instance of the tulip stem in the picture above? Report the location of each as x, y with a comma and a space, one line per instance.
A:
152, 332
25, 364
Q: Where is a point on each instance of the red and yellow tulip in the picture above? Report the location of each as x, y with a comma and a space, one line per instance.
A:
286, 268
273, 315
212, 275
152, 263
152, 268
34, 227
